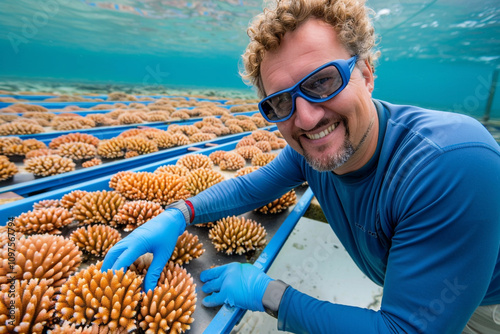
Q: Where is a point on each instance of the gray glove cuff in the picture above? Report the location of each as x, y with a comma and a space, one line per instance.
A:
272, 297
181, 205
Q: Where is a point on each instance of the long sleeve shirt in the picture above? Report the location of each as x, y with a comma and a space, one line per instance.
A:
421, 219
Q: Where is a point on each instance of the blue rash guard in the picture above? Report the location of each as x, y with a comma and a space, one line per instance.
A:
421, 219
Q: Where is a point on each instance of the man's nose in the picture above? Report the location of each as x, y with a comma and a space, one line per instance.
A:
307, 114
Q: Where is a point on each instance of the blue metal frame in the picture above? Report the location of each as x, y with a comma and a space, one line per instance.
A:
228, 317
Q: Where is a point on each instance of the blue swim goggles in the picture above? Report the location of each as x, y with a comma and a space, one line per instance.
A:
318, 86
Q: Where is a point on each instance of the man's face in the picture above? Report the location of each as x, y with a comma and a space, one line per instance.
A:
339, 134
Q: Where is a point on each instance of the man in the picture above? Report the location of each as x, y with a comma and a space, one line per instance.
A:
413, 194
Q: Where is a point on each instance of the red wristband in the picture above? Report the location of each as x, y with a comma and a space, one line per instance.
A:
190, 205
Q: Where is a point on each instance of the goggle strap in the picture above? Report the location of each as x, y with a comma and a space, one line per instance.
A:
352, 63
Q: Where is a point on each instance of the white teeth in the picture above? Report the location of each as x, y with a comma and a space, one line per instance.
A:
322, 133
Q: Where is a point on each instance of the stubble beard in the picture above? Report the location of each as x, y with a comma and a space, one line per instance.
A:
332, 161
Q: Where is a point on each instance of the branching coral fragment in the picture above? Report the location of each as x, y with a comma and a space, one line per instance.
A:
117, 177
195, 161
136, 213
112, 148
141, 145
263, 159
180, 139
237, 235
232, 161
170, 306
24, 147
217, 156
33, 306
74, 137
101, 298
20, 128
201, 179
77, 150
246, 141
7, 169
70, 199
199, 137
49, 165
246, 170
97, 207
163, 188
263, 145
42, 256
173, 169
47, 203
95, 239
187, 248
248, 152
280, 204
92, 163
43, 220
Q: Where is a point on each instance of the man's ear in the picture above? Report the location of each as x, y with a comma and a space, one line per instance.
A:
367, 72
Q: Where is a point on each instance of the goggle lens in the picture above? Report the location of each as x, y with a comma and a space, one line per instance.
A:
277, 107
322, 84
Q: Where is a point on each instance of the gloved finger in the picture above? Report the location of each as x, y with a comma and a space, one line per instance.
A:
213, 285
111, 256
212, 273
154, 272
127, 257
215, 299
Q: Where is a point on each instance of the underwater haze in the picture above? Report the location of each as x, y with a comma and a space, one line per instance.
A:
434, 53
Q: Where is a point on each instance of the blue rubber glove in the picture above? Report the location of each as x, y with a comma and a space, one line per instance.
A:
158, 236
236, 284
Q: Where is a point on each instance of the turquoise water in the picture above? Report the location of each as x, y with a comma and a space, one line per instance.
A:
439, 54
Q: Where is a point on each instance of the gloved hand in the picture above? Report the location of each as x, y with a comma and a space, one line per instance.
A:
236, 284
158, 236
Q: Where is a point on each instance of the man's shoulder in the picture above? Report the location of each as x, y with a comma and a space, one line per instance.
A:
440, 128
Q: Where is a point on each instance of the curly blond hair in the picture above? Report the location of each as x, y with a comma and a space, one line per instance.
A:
350, 19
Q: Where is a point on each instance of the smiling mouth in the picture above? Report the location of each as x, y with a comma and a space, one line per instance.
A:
323, 133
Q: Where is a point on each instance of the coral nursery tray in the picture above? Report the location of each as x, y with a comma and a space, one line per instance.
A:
207, 320
104, 111
96, 183
90, 104
102, 97
24, 184
106, 132
41, 98
61, 105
